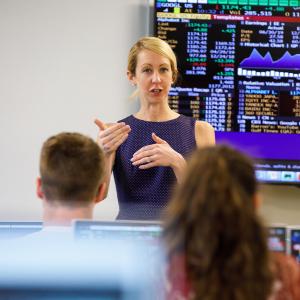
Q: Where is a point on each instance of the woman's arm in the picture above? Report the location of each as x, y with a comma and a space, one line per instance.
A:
109, 138
204, 134
162, 154
109, 163
159, 154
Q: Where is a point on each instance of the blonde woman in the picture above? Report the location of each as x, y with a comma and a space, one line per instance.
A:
147, 150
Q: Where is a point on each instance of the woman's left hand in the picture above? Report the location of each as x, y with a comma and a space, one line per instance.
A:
158, 154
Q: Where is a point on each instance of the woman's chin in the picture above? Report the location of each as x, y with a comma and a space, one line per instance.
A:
157, 98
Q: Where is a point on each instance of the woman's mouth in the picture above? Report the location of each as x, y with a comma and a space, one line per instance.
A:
155, 91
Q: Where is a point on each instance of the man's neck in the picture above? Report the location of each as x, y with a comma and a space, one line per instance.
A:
63, 216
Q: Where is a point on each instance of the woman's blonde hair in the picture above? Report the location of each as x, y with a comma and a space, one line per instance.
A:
155, 45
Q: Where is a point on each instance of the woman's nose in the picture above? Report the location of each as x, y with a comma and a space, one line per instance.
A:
156, 77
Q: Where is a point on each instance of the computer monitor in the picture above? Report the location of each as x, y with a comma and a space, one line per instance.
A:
14, 229
277, 238
147, 233
74, 271
294, 237
29, 293
131, 230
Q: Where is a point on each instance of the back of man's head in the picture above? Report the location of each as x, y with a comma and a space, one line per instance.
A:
71, 169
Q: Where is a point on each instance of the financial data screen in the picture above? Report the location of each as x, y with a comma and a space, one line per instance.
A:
239, 64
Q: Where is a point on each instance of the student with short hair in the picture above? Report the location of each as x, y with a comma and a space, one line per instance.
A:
71, 180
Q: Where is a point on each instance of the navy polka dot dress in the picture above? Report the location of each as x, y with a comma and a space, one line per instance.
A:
142, 194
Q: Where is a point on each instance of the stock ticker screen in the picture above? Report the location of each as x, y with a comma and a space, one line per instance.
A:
239, 65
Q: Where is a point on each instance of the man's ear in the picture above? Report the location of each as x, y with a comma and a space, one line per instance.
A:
101, 193
257, 199
39, 191
131, 78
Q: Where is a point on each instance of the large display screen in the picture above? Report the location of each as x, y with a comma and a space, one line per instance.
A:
239, 64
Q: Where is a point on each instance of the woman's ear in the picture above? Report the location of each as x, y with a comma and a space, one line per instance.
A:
131, 78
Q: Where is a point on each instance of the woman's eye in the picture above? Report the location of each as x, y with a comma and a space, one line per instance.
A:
164, 70
147, 70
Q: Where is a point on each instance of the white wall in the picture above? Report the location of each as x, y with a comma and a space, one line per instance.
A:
281, 204
62, 63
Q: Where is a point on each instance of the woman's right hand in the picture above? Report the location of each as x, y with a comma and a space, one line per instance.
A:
112, 135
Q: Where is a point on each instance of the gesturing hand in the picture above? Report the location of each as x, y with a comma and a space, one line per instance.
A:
111, 136
158, 154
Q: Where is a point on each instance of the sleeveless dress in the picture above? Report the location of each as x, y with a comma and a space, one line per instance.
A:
142, 194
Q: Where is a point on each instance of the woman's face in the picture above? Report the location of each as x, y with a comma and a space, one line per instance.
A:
153, 77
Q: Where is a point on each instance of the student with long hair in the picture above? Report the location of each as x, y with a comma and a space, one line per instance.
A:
216, 243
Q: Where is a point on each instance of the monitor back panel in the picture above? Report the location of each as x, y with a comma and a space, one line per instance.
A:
294, 247
129, 230
14, 229
277, 238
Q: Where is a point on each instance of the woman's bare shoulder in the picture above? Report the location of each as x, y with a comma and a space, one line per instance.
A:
205, 134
